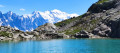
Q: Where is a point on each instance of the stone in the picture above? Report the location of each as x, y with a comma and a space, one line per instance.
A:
103, 30
26, 36
2, 38
82, 34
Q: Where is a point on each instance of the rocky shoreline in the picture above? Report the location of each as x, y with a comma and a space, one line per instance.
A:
47, 31
44, 32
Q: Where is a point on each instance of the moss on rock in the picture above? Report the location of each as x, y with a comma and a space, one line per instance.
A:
101, 1
5, 34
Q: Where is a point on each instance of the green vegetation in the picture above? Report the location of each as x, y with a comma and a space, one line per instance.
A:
68, 20
87, 22
5, 34
71, 32
84, 23
73, 29
93, 21
80, 27
101, 1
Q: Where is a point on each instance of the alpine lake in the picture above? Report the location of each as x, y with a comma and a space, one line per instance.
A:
61, 46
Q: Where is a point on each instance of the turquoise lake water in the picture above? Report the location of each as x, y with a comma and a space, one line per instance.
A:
62, 46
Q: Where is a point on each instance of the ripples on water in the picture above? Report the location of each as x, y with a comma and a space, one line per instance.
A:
62, 46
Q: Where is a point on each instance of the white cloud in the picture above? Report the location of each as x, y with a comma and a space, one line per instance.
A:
22, 9
2, 6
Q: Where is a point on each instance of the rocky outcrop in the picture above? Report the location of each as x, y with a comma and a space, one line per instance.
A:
101, 20
102, 30
47, 31
82, 34
99, 7
110, 18
48, 27
85, 34
114, 24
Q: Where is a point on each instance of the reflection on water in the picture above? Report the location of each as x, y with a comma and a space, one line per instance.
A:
62, 46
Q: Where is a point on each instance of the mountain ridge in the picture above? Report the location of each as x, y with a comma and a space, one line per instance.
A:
29, 22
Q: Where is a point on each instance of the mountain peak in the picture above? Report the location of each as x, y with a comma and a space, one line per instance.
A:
0, 12
10, 12
33, 20
35, 12
56, 11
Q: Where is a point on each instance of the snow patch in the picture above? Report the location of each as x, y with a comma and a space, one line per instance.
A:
8, 25
46, 16
0, 22
36, 24
26, 30
27, 15
6, 20
16, 28
10, 18
32, 19
51, 15
31, 29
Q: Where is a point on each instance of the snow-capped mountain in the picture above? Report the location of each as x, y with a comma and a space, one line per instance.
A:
28, 22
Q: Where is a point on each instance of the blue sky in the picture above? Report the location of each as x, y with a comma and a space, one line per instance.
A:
28, 6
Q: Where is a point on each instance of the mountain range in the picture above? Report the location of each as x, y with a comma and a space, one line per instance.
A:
102, 20
29, 22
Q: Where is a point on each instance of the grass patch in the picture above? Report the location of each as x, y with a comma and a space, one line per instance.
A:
93, 21
5, 34
68, 20
102, 1
73, 31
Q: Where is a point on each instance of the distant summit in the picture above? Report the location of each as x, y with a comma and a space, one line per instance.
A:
28, 22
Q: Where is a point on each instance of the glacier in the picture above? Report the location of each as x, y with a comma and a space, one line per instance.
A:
29, 22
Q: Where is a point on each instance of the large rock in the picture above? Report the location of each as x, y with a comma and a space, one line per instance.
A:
2, 38
53, 35
102, 30
47, 27
115, 27
99, 7
82, 34
26, 36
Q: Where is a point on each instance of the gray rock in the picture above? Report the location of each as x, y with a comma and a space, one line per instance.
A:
82, 34
26, 36
47, 27
102, 30
2, 38
16, 35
